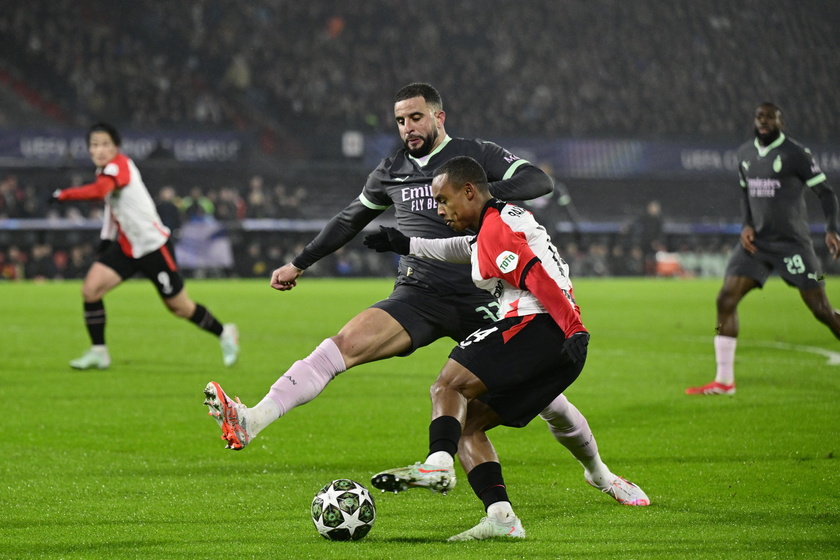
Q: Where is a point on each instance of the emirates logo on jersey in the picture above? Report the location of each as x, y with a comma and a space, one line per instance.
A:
507, 261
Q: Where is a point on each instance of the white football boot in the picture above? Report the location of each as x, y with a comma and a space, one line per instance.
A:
625, 492
418, 475
95, 357
490, 527
229, 342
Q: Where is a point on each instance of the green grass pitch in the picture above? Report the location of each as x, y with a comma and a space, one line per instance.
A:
125, 463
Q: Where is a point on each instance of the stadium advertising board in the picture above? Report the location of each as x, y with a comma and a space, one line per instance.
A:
71, 145
625, 159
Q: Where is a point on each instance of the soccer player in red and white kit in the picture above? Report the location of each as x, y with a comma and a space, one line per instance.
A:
134, 240
775, 172
508, 372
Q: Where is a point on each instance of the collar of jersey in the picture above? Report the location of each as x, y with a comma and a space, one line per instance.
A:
423, 161
763, 150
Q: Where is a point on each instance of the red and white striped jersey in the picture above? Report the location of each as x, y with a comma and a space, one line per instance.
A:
513, 258
129, 207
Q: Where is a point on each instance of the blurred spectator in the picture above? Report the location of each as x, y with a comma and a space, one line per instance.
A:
40, 265
197, 207
12, 264
648, 232
230, 206
259, 203
12, 198
170, 214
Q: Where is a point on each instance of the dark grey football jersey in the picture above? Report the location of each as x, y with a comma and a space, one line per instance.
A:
406, 183
776, 178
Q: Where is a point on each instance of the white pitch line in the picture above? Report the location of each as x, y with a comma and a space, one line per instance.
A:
832, 357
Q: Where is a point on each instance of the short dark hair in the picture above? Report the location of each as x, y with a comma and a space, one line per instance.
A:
462, 170
775, 107
108, 129
421, 89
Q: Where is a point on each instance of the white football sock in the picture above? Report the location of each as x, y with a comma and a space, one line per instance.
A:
501, 511
725, 358
264, 413
570, 428
440, 459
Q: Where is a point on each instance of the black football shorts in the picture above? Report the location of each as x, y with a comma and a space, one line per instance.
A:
428, 316
521, 362
796, 263
158, 266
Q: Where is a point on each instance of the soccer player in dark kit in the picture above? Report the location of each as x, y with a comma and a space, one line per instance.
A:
430, 300
775, 172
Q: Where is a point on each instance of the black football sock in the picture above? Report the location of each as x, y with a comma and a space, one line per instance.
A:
95, 321
444, 433
205, 320
487, 483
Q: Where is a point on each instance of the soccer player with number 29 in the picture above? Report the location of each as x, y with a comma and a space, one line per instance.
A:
775, 172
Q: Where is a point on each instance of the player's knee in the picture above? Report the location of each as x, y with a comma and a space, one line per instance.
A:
726, 302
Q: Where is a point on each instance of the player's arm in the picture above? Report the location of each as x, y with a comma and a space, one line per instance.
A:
450, 249
831, 209
342, 228
747, 227
526, 182
560, 305
536, 279
97, 190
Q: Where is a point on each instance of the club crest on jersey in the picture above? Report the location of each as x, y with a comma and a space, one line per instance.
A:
507, 261
777, 164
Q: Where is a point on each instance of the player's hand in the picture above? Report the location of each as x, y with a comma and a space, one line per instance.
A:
388, 239
285, 277
747, 238
832, 240
54, 196
576, 346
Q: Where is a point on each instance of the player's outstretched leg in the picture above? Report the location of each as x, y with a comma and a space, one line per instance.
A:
571, 429
625, 492
490, 527
229, 341
418, 475
230, 415
96, 357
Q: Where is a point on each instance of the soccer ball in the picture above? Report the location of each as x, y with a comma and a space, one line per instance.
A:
343, 510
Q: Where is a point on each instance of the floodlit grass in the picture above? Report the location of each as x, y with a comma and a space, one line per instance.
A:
126, 463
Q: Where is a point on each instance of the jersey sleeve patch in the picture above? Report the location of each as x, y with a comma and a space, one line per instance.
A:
370, 204
507, 261
111, 169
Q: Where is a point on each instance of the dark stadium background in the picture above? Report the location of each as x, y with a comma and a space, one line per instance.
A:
275, 111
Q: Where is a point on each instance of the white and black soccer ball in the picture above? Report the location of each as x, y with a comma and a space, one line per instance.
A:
343, 510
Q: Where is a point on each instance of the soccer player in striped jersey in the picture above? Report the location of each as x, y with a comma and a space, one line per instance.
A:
431, 299
506, 373
775, 172
133, 240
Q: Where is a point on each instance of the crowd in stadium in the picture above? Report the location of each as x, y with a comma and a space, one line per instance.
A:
605, 67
